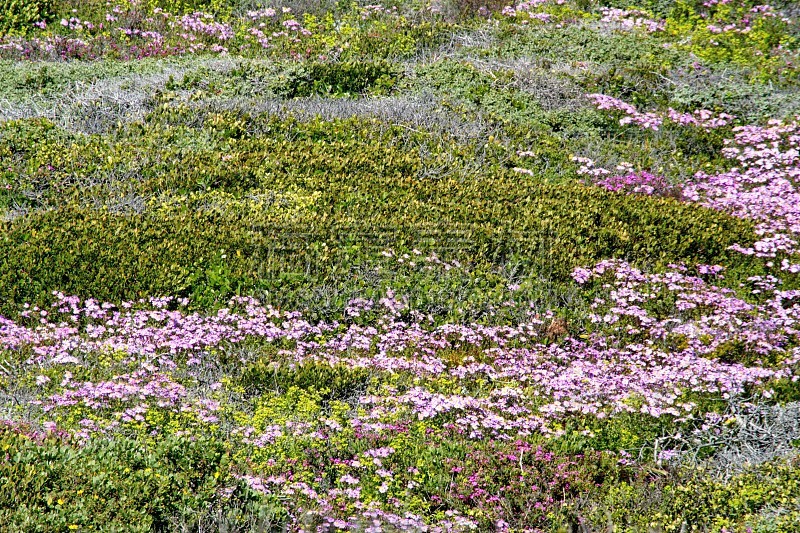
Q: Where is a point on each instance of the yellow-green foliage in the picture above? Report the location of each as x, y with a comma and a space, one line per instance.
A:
699, 501
18, 16
758, 46
291, 202
330, 382
49, 485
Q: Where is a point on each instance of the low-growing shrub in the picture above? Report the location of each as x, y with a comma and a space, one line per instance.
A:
626, 65
47, 484
302, 204
127, 256
333, 383
346, 78
761, 499
537, 491
19, 15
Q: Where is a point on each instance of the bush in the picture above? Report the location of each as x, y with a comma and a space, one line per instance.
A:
19, 15
347, 78
624, 65
47, 484
113, 256
302, 204
695, 500
333, 383
521, 474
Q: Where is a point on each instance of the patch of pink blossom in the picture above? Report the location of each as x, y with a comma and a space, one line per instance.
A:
629, 20
639, 183
761, 187
653, 120
526, 9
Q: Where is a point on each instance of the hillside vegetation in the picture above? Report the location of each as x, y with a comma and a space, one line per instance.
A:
431, 266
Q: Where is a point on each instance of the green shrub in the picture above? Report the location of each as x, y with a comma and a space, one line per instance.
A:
333, 383
345, 78
301, 204
111, 256
22, 80
117, 485
18, 16
493, 95
623, 65
764, 498
219, 8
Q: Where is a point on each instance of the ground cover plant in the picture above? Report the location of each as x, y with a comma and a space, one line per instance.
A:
445, 265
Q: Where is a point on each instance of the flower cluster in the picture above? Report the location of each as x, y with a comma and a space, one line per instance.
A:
630, 19
130, 32
701, 118
762, 187
588, 167
640, 357
527, 10
639, 183
199, 23
602, 375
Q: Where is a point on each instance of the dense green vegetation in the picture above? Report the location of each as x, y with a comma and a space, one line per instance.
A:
295, 205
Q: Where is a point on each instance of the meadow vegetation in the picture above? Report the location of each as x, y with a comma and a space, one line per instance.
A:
429, 265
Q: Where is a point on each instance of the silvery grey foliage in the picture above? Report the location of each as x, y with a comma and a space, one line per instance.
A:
745, 435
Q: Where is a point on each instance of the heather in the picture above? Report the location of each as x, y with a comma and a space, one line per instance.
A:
419, 266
